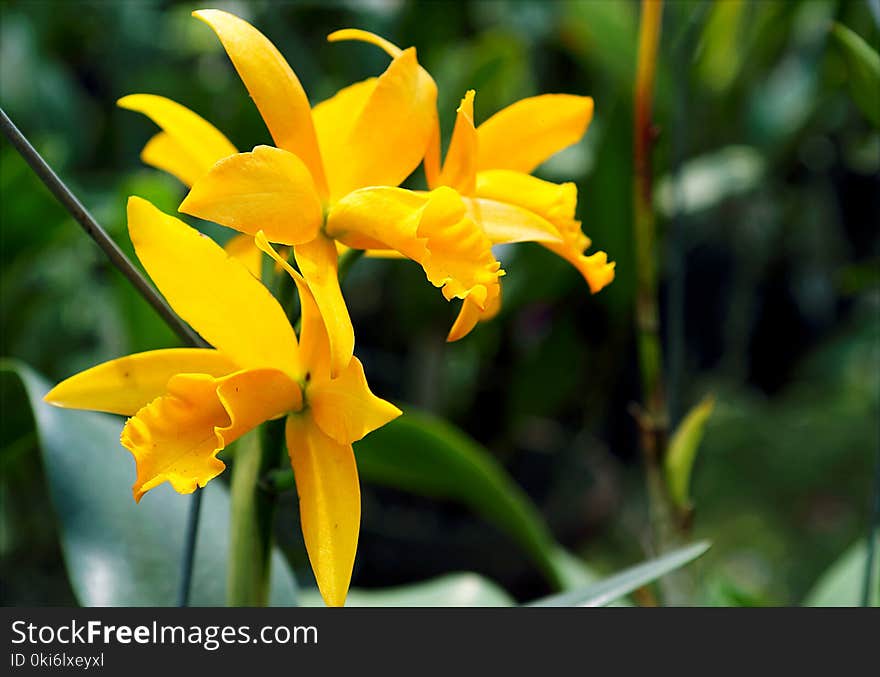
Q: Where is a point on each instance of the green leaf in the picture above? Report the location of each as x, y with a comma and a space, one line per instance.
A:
427, 456
577, 574
720, 58
843, 583
117, 552
450, 590
614, 587
863, 68
682, 451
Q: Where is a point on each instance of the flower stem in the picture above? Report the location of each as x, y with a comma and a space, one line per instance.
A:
189, 550
652, 416
252, 517
94, 230
122, 263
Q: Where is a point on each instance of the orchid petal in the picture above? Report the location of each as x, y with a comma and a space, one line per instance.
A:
329, 504
595, 268
242, 249
506, 223
268, 189
163, 152
470, 314
460, 166
430, 228
383, 125
319, 265
177, 436
523, 135
124, 385
213, 292
556, 203
359, 35
273, 86
188, 145
173, 439
346, 409
314, 344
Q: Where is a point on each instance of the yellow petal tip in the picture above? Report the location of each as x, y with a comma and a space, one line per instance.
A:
365, 36
125, 101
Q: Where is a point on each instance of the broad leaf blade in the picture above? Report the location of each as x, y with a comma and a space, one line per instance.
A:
451, 590
119, 553
427, 456
614, 587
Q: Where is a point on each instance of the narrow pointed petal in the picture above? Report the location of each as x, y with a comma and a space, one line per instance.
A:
163, 152
176, 437
523, 135
268, 189
460, 166
242, 249
346, 409
314, 344
470, 314
318, 263
465, 321
329, 504
125, 385
389, 123
365, 36
214, 293
273, 86
189, 144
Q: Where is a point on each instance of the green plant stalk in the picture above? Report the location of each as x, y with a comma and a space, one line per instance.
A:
252, 517
652, 418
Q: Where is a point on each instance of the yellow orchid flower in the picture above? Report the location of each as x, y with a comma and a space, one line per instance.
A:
187, 404
490, 165
328, 174
187, 147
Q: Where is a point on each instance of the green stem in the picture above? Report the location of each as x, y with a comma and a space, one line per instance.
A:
652, 416
252, 518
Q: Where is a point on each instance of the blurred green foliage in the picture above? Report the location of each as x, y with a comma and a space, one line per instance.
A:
769, 199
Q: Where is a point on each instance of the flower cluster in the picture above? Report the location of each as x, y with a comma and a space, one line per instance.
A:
330, 182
